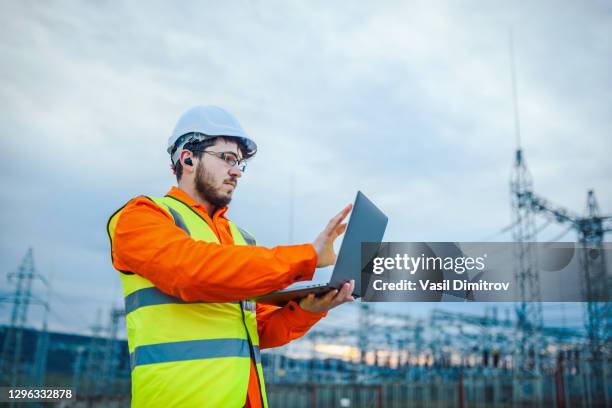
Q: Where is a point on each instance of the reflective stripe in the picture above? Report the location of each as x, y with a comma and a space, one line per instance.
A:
250, 240
148, 297
178, 220
152, 296
191, 350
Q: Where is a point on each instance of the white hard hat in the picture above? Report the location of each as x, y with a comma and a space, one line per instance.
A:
203, 122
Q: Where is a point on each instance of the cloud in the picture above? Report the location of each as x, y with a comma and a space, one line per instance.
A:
408, 101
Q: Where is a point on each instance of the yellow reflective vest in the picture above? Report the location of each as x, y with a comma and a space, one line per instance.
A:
188, 354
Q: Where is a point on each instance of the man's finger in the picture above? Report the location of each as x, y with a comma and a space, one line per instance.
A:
333, 223
344, 212
352, 287
349, 291
332, 299
340, 229
343, 293
329, 295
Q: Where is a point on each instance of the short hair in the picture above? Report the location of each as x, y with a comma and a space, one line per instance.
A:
197, 146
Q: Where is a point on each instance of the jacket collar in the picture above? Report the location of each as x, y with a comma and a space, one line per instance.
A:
187, 199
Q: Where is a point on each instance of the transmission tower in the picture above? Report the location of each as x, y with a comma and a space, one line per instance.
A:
596, 282
529, 309
40, 356
596, 285
11, 359
42, 348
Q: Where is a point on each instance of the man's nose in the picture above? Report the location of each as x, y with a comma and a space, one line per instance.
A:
235, 172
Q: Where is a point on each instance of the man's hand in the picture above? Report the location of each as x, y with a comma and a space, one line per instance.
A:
324, 243
333, 298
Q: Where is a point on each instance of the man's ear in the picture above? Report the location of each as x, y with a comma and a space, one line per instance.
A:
185, 158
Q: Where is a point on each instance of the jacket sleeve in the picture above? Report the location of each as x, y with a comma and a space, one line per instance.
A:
278, 326
147, 242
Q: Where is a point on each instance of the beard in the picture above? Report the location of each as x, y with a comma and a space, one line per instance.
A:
205, 186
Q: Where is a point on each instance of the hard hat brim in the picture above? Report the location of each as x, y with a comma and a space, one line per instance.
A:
249, 146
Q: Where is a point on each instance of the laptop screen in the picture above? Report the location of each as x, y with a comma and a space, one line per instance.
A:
367, 223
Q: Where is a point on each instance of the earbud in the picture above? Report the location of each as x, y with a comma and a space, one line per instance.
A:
188, 161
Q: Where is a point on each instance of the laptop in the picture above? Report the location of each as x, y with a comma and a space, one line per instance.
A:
366, 224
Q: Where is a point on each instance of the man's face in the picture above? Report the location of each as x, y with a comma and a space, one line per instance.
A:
215, 180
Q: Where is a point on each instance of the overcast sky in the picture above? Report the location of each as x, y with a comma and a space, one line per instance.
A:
409, 101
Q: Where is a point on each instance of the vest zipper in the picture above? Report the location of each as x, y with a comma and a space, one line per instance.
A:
252, 351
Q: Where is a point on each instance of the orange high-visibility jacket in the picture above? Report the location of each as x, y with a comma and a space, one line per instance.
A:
147, 242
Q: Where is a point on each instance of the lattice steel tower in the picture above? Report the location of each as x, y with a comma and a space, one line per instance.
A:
529, 309
596, 283
11, 364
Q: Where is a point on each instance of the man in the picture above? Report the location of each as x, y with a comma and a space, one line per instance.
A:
188, 274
